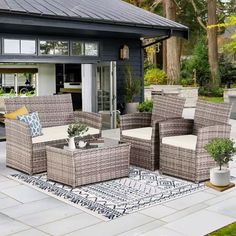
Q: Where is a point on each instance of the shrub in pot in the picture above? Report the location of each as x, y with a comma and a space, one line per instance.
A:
76, 130
145, 106
132, 89
222, 150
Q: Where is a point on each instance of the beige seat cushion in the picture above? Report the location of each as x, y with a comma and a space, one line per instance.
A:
58, 133
141, 133
183, 141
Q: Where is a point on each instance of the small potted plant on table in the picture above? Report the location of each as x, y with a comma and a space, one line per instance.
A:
76, 130
222, 150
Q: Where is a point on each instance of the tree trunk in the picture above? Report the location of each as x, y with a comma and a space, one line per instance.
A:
212, 43
172, 51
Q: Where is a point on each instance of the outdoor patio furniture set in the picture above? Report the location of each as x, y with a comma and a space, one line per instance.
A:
159, 140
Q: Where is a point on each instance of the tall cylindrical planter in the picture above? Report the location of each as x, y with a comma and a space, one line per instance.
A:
131, 107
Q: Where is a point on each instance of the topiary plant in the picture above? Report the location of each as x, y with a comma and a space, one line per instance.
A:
77, 129
222, 150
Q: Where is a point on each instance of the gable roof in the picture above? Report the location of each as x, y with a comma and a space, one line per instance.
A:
99, 11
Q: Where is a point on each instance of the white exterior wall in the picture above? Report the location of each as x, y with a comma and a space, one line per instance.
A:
88, 86
46, 82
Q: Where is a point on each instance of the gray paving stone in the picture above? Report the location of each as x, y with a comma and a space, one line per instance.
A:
69, 224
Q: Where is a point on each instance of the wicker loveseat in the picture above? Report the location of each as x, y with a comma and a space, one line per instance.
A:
142, 130
182, 147
56, 112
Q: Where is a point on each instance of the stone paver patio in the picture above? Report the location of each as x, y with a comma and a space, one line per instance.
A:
25, 211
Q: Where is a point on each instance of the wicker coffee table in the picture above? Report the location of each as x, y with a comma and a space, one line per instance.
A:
88, 165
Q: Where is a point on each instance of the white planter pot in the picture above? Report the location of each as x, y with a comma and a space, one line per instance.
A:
131, 107
221, 177
71, 143
82, 144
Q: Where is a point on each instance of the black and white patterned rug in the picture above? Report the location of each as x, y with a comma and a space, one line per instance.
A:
118, 197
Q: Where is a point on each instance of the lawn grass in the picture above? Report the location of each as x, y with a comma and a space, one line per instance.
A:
212, 99
229, 230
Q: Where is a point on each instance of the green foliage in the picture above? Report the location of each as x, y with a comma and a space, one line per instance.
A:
187, 82
222, 150
155, 76
229, 230
211, 91
145, 106
212, 99
1, 91
198, 62
132, 85
77, 129
231, 46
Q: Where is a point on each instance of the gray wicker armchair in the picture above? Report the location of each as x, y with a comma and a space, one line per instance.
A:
182, 147
142, 130
56, 112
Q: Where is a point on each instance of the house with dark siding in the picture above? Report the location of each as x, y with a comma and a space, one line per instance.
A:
76, 46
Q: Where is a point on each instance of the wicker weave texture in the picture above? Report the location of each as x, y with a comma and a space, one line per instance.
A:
188, 164
53, 110
21, 153
209, 114
167, 107
87, 166
145, 153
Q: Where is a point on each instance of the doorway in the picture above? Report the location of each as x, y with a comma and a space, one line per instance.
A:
106, 94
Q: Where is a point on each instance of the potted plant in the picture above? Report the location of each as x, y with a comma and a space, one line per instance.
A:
146, 106
132, 89
76, 130
222, 150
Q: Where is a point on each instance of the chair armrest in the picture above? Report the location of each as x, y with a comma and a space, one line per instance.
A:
135, 120
18, 133
206, 134
174, 127
89, 118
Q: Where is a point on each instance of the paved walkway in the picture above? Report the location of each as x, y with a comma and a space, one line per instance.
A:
25, 211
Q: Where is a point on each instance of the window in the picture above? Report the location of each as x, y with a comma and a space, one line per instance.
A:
51, 47
11, 46
28, 47
77, 48
91, 49
19, 46
84, 49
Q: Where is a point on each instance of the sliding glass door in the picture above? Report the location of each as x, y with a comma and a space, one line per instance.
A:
106, 93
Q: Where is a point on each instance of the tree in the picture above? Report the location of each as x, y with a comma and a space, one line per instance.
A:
172, 47
212, 43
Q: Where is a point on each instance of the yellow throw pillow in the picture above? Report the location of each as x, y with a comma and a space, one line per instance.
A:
19, 112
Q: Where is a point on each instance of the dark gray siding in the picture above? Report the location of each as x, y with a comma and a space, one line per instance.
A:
109, 51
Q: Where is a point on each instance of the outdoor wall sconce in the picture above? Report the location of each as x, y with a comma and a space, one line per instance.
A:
124, 53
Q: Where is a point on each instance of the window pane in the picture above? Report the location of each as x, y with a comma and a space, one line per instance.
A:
28, 46
61, 48
91, 49
77, 48
12, 46
46, 47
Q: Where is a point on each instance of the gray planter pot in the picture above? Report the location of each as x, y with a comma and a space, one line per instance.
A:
131, 107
